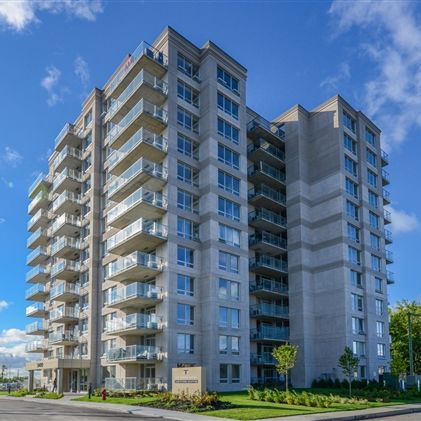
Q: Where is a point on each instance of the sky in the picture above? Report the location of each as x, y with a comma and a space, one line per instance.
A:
52, 53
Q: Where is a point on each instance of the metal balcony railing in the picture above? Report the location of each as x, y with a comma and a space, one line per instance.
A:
133, 353
134, 259
134, 290
134, 321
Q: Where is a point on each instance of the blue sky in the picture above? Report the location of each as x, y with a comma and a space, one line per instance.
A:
52, 53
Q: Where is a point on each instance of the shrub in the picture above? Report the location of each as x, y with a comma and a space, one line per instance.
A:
48, 395
20, 393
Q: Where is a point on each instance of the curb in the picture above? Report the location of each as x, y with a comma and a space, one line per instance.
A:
392, 413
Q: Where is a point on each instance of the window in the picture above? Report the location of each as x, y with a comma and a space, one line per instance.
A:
378, 284
380, 329
187, 201
351, 187
354, 255
187, 93
187, 67
372, 178
381, 350
228, 131
374, 220
185, 256
358, 348
352, 210
228, 209
350, 144
228, 182
88, 118
223, 344
370, 137
235, 345
353, 233
351, 166
229, 344
379, 307
229, 317
187, 173
228, 290
185, 285
187, 146
185, 343
373, 199
355, 278
187, 229
374, 241
371, 158
228, 156
223, 373
185, 314
228, 106
187, 120
235, 373
363, 371
228, 80
348, 121
228, 262
357, 302
229, 235
357, 326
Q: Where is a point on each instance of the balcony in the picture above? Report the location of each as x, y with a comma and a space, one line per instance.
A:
142, 172
36, 310
66, 247
262, 358
266, 242
386, 197
149, 204
266, 197
39, 273
389, 257
134, 324
268, 265
37, 328
40, 201
65, 292
266, 287
143, 114
69, 157
66, 338
390, 277
136, 266
385, 158
36, 293
264, 151
134, 383
388, 237
39, 238
385, 178
70, 135
269, 310
136, 295
261, 128
36, 346
142, 144
143, 234
64, 314
39, 220
387, 217
68, 179
267, 220
65, 269
41, 183
37, 256
144, 85
262, 173
134, 354
144, 57
269, 333
267, 380
67, 202
66, 225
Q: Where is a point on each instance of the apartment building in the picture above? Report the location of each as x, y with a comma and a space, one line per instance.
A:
159, 234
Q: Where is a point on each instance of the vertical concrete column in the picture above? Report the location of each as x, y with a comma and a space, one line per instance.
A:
78, 381
31, 381
60, 386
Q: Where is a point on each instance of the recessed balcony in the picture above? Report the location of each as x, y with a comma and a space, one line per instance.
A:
70, 135
65, 292
67, 202
267, 287
65, 269
135, 266
36, 346
262, 358
387, 217
66, 247
37, 274
263, 173
143, 143
268, 265
66, 338
262, 151
41, 183
385, 178
66, 225
267, 220
39, 238
390, 277
269, 310
386, 197
389, 257
136, 295
261, 128
37, 328
40, 220
266, 242
142, 172
40, 201
269, 333
64, 314
265, 197
385, 158
68, 179
149, 204
36, 293
36, 310
388, 237
37, 256
134, 324
134, 354
143, 234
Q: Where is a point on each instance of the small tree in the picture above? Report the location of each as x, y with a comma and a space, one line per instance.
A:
285, 356
348, 362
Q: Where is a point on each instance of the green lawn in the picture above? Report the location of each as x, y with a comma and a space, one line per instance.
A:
246, 409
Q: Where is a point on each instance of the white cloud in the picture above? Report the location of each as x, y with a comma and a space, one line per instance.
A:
3, 305
81, 70
11, 156
2, 221
403, 222
393, 90
51, 84
18, 14
333, 82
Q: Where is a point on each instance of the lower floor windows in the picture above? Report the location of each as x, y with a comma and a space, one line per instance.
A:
229, 344
381, 350
229, 373
185, 343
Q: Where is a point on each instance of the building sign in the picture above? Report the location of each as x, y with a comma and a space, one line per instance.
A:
189, 380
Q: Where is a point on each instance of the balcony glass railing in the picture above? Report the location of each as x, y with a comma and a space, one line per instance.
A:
262, 358
386, 195
37, 270
65, 265
65, 219
67, 129
134, 321
142, 106
140, 166
42, 195
42, 213
270, 262
36, 327
141, 136
268, 192
390, 277
388, 235
67, 173
40, 232
270, 332
35, 308
145, 226
64, 312
38, 180
267, 238
66, 196
67, 335
133, 352
273, 128
134, 290
389, 255
36, 345
387, 215
36, 289
63, 242
261, 283
269, 216
141, 195
385, 156
137, 258
67, 151
268, 309
39, 251
268, 148
266, 169
64, 288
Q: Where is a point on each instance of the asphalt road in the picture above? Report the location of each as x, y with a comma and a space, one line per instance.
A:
409, 417
18, 410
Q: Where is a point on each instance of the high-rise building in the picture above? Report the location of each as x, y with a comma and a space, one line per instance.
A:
159, 234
